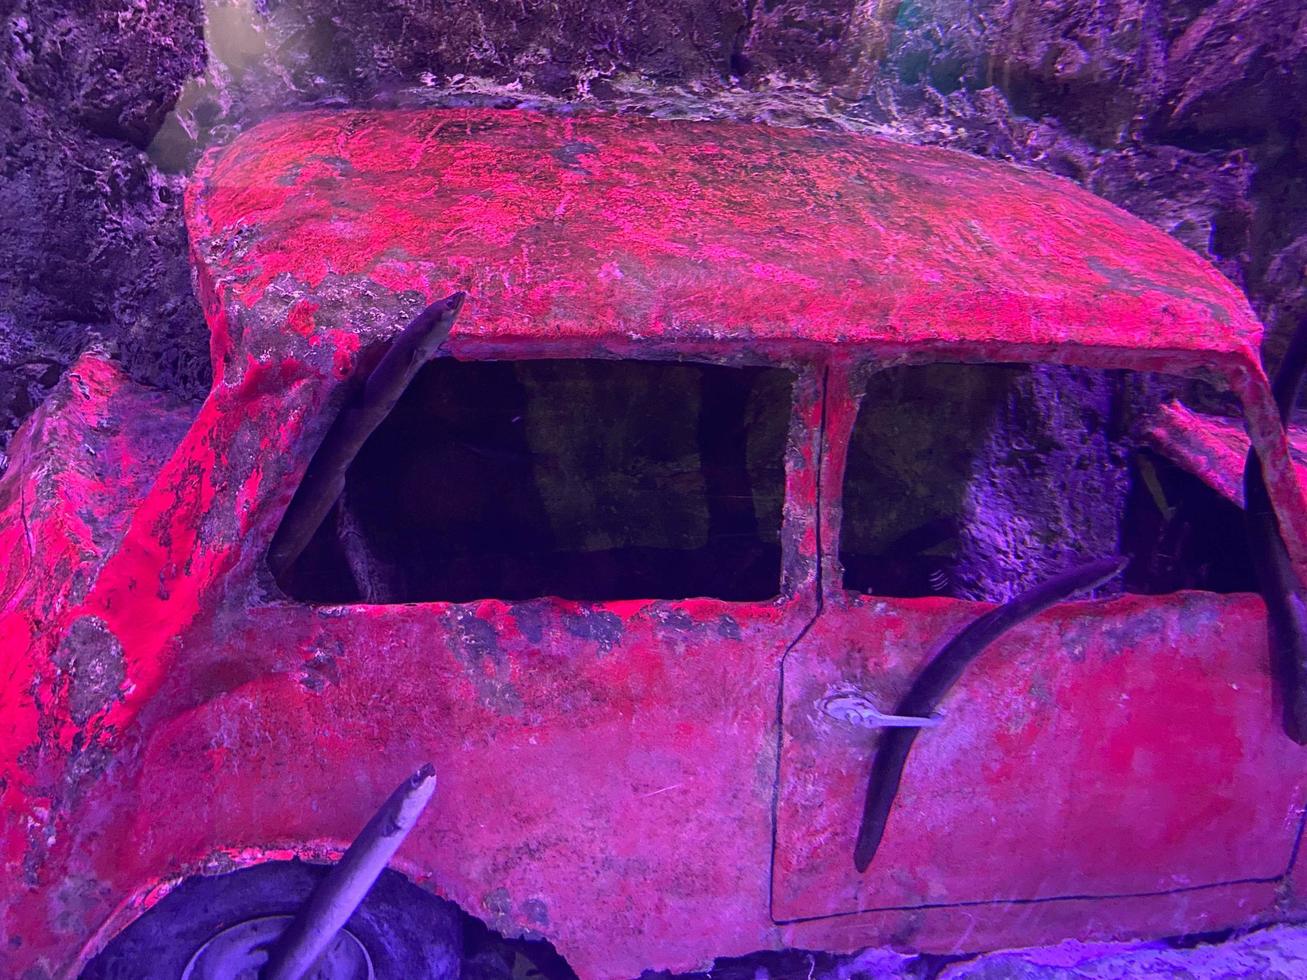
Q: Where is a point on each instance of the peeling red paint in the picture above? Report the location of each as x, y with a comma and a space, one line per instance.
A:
777, 234
622, 765
300, 318
1118, 748
1213, 448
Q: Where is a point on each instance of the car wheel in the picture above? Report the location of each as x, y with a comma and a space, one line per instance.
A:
215, 926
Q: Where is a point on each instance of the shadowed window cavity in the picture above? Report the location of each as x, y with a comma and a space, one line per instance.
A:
978, 481
585, 479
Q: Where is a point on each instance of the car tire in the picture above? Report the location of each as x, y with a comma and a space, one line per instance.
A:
406, 931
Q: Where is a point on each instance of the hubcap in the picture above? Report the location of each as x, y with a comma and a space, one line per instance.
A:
239, 952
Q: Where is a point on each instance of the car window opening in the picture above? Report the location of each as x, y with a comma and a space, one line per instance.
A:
584, 479
977, 481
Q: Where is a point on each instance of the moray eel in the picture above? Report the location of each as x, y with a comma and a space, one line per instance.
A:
367, 407
938, 678
1282, 590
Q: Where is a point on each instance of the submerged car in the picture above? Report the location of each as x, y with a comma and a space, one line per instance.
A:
735, 428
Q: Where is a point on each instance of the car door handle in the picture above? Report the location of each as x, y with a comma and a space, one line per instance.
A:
855, 708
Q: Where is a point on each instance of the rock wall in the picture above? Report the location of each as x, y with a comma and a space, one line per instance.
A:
1187, 112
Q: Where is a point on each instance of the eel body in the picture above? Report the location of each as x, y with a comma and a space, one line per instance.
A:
937, 679
1283, 591
295, 954
367, 408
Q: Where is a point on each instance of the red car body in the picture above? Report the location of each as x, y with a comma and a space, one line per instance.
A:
646, 783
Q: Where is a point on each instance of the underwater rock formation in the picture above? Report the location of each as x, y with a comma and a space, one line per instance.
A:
1187, 114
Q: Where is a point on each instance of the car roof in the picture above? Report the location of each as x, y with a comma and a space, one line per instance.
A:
600, 232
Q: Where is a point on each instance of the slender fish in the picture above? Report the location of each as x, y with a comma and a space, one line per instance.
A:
938, 678
1282, 590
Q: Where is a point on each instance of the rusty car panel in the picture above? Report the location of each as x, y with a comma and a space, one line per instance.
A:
646, 783
1083, 740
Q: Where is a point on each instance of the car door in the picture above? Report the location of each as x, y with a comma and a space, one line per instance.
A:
1121, 746
581, 576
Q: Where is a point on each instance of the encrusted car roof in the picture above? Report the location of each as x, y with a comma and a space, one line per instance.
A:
604, 232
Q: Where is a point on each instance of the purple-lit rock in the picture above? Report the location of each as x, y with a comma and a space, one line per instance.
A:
1277, 953
1182, 113
1187, 114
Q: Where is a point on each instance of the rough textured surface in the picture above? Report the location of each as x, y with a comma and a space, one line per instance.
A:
1278, 953
1186, 113
1189, 114
1213, 448
569, 232
181, 673
113, 68
588, 747
1053, 432
528, 689
92, 248
571, 237
1018, 795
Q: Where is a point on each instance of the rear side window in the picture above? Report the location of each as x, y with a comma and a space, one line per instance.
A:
585, 479
978, 481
